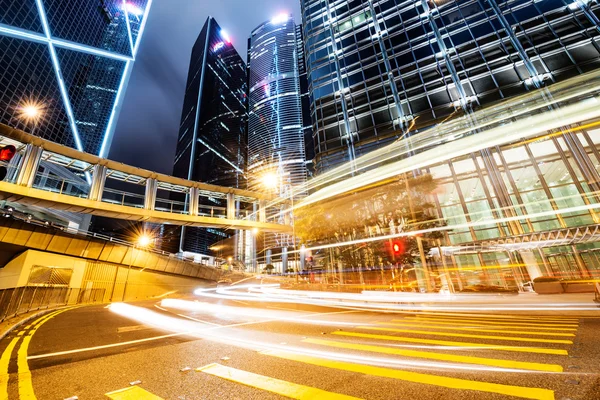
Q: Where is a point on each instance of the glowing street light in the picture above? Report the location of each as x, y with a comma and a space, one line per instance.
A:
270, 180
255, 231
31, 111
144, 241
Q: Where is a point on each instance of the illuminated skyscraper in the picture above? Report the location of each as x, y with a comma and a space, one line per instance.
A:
379, 70
212, 141
275, 122
74, 58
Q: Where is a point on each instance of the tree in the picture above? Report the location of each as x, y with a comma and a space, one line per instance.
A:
268, 269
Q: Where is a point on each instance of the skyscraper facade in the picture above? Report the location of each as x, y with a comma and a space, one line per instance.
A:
426, 77
379, 69
212, 140
275, 122
72, 59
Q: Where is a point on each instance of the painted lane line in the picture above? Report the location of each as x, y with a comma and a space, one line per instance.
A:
480, 325
193, 332
469, 329
467, 335
486, 346
507, 318
426, 379
132, 393
107, 346
133, 328
284, 388
25, 383
4, 362
473, 321
199, 320
509, 364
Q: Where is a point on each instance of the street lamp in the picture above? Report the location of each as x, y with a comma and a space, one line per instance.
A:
142, 242
31, 112
270, 180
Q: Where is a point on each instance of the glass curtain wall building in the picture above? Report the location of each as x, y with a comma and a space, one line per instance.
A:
379, 70
212, 140
73, 59
275, 123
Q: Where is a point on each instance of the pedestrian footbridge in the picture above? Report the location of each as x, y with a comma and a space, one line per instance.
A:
46, 174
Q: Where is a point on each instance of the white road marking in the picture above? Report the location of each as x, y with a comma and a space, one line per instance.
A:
108, 346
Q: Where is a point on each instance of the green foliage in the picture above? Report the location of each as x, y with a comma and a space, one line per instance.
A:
268, 268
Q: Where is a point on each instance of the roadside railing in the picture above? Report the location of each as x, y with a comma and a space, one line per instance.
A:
21, 300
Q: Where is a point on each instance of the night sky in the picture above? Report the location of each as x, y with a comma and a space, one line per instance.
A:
146, 134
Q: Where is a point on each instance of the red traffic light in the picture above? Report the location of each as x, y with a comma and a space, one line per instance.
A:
7, 152
396, 248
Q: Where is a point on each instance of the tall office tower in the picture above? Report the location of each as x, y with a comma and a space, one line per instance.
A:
377, 67
73, 58
212, 140
309, 144
275, 123
70, 59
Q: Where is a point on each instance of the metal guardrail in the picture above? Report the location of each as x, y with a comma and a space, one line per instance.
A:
17, 301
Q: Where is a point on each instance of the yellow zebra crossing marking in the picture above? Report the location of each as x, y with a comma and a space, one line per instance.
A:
132, 393
467, 335
427, 379
480, 324
284, 388
492, 362
498, 317
484, 322
470, 329
521, 349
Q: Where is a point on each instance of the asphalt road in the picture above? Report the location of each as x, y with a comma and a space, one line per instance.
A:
228, 349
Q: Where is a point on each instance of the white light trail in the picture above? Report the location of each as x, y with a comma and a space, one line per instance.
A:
171, 324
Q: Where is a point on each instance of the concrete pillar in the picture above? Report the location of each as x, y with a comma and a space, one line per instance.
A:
302, 258
230, 206
531, 264
269, 257
193, 201
150, 197
580, 263
98, 181
284, 259
262, 211
29, 165
424, 267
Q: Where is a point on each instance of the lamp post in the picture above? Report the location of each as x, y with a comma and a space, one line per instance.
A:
142, 242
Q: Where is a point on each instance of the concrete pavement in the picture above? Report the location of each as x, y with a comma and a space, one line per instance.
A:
243, 350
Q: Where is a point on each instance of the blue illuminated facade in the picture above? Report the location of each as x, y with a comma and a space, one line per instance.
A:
383, 69
73, 57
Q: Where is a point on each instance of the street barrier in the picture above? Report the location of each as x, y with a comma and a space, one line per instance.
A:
16, 301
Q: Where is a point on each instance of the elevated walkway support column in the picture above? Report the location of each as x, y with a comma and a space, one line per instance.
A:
29, 165
98, 181
150, 198
230, 206
193, 201
262, 211
531, 264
